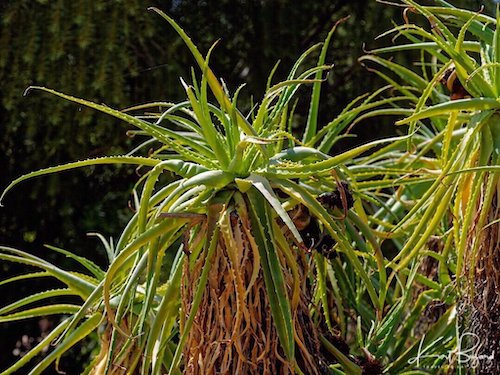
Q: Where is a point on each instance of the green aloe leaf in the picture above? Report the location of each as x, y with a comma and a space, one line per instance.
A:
164, 319
73, 338
83, 163
262, 229
89, 265
83, 286
32, 275
263, 185
299, 170
26, 358
34, 298
150, 129
312, 118
57, 309
349, 366
215, 86
444, 109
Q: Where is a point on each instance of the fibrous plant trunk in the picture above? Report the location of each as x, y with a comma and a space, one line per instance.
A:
233, 330
480, 307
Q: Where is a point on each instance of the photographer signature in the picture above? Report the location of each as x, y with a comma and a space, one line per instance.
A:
461, 355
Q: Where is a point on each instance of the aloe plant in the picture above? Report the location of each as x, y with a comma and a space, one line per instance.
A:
455, 142
252, 249
212, 273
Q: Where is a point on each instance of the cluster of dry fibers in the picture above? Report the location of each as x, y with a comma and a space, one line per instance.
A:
481, 305
233, 330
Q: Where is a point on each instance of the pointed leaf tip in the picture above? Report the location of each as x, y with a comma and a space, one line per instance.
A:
27, 91
184, 84
33, 87
2, 196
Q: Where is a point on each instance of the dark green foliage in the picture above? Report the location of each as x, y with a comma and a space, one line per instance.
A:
84, 48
